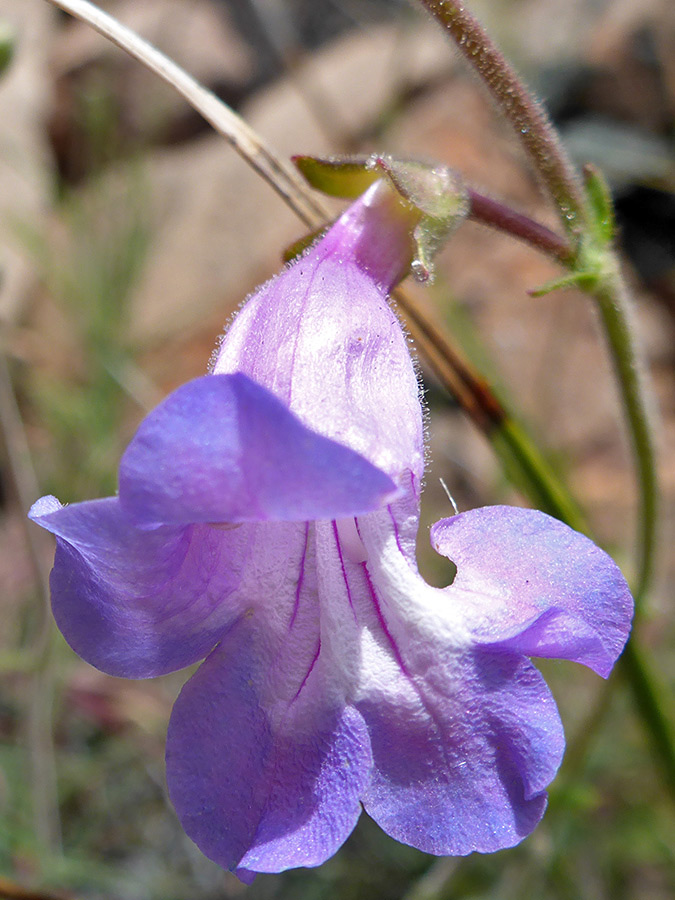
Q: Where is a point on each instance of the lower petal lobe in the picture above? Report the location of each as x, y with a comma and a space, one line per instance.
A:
259, 782
462, 755
465, 737
139, 603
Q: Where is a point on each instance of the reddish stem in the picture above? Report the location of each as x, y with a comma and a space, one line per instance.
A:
497, 215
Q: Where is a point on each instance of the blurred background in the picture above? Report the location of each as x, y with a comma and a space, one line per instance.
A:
129, 233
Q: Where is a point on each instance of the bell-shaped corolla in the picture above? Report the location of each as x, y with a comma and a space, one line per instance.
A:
266, 523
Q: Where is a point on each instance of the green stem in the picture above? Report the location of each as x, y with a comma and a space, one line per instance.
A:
649, 695
615, 313
534, 475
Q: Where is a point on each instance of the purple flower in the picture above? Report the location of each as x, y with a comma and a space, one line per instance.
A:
266, 520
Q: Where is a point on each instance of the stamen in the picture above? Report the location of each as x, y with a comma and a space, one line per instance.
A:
449, 496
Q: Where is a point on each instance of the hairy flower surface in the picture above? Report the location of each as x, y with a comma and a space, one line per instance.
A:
266, 521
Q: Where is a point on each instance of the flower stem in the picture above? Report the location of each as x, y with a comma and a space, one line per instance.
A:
515, 102
497, 215
613, 303
649, 696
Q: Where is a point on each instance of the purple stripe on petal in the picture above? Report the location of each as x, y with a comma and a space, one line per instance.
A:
139, 603
465, 739
530, 584
262, 784
301, 578
224, 449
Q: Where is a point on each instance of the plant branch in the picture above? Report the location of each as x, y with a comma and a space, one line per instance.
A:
36, 658
22, 475
492, 212
650, 695
515, 102
615, 312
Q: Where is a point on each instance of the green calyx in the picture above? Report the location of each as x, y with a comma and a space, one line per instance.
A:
594, 260
435, 193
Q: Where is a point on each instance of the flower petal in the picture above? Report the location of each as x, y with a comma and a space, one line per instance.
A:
530, 584
321, 336
462, 754
139, 603
464, 738
265, 772
223, 449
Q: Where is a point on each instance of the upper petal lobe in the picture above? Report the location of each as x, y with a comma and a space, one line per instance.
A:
224, 449
322, 338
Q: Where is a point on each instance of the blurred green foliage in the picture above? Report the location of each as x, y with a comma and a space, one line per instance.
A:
90, 278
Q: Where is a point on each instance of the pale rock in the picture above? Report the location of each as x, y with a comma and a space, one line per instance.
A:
197, 34
24, 160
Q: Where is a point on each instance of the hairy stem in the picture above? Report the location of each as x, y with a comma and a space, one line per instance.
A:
492, 212
515, 102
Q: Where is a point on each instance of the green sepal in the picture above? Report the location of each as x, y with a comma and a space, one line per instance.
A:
440, 196
602, 208
7, 45
347, 177
436, 191
435, 194
297, 248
